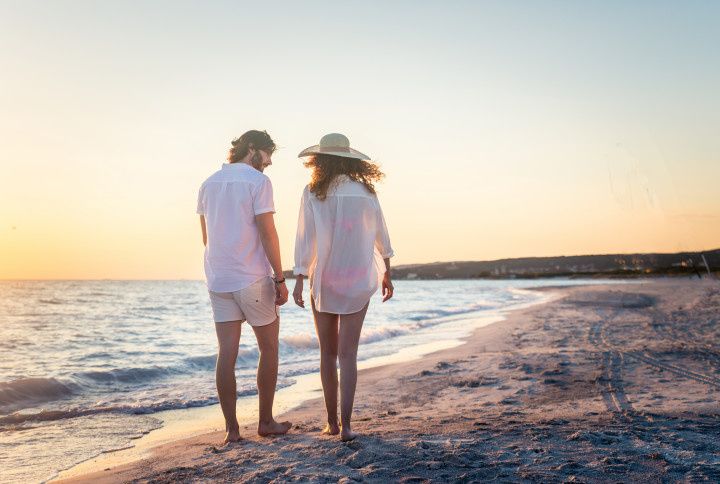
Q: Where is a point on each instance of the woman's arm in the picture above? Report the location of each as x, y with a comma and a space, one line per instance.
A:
305, 246
387, 285
382, 244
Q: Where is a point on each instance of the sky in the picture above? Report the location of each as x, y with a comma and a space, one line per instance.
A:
505, 129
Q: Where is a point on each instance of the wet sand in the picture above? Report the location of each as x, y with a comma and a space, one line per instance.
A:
603, 383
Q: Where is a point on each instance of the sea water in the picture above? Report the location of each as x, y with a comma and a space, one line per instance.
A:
85, 365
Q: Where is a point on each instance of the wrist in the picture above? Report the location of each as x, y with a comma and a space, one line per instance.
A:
279, 280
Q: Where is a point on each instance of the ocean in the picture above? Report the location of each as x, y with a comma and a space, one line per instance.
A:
85, 366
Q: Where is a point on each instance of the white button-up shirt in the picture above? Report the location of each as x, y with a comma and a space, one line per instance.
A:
230, 199
341, 243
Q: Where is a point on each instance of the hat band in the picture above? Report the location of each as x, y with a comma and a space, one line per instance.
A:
335, 148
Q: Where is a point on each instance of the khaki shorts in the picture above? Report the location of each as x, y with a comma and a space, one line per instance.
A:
254, 304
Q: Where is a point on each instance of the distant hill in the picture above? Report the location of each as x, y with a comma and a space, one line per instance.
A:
611, 265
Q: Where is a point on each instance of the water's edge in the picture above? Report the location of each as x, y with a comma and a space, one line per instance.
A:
179, 424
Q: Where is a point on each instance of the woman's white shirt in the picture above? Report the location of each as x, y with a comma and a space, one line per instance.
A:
341, 243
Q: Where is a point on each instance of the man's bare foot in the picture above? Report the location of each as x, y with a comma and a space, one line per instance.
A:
273, 428
331, 429
347, 435
231, 436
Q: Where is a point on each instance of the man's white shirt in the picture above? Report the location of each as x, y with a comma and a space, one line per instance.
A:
229, 200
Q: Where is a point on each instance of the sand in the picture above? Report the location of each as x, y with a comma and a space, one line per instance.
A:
602, 383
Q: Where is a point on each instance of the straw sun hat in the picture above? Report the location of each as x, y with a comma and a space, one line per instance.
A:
334, 144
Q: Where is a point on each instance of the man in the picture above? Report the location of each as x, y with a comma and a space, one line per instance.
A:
242, 252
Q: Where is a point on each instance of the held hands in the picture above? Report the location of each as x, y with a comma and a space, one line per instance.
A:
297, 292
281, 293
387, 287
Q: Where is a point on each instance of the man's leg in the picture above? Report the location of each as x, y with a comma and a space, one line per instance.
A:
267, 339
326, 325
349, 338
228, 335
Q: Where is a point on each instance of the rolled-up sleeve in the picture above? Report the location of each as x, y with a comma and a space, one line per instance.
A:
382, 237
263, 198
305, 240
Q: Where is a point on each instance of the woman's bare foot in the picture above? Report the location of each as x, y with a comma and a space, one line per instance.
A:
346, 435
331, 429
231, 436
273, 428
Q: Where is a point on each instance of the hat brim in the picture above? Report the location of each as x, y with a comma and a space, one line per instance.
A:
335, 151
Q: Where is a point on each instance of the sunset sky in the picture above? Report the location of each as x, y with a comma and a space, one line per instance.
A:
506, 129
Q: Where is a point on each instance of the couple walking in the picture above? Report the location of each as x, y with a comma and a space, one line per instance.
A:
342, 245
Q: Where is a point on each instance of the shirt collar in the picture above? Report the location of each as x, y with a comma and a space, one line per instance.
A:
235, 166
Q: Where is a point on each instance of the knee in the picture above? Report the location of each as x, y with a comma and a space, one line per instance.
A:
227, 356
347, 354
328, 354
268, 348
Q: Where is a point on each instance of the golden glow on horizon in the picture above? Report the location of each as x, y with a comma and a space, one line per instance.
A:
498, 140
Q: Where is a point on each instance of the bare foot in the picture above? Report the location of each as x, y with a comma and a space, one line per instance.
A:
273, 428
331, 429
347, 435
231, 436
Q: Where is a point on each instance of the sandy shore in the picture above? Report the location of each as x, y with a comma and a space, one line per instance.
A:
617, 383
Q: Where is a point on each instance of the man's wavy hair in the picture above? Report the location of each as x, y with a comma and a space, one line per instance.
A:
325, 168
253, 139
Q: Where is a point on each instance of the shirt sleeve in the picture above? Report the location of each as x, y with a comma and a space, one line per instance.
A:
263, 198
201, 201
382, 238
305, 240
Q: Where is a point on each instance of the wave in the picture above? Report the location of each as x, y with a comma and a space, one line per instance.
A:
379, 334
420, 321
51, 415
444, 313
300, 341
18, 418
126, 375
207, 362
33, 390
138, 375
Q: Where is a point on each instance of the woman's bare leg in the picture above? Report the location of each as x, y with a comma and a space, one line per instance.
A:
350, 327
228, 335
267, 339
326, 325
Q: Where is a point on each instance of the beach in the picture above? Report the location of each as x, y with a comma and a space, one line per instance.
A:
598, 383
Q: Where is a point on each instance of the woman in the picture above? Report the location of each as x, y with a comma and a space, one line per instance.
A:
343, 246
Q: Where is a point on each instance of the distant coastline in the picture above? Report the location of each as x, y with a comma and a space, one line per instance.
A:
581, 266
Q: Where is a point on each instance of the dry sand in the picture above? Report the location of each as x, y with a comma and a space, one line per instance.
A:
604, 383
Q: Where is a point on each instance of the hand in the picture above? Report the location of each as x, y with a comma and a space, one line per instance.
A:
387, 287
281, 293
297, 292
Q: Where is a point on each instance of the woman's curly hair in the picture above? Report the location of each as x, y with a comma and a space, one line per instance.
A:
325, 168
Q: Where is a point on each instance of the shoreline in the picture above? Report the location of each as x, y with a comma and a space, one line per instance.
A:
185, 424
597, 383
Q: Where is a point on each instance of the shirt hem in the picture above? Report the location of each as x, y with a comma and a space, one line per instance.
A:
239, 288
264, 210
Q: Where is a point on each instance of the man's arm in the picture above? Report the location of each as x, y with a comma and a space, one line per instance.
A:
204, 229
271, 244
